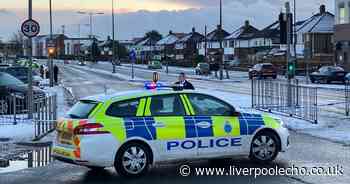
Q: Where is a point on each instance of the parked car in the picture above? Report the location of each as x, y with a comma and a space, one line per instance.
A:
263, 70
328, 74
21, 73
347, 77
9, 86
232, 63
202, 69
155, 65
81, 63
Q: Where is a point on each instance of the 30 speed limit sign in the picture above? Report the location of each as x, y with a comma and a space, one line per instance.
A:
30, 28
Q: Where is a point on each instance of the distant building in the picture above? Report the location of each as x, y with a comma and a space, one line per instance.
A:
40, 45
210, 45
186, 47
315, 34
10, 49
342, 33
74, 46
243, 41
166, 46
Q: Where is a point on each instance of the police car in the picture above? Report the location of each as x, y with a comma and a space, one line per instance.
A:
133, 130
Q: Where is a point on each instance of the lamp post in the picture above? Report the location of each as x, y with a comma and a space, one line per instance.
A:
30, 73
50, 61
91, 14
113, 38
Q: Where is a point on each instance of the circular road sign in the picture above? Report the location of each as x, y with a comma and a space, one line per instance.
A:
30, 28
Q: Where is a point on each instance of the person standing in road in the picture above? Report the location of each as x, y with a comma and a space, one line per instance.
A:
55, 74
184, 83
41, 69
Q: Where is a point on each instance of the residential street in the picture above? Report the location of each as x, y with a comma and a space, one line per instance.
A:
306, 151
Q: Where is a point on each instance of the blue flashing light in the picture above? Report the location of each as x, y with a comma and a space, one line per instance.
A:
153, 85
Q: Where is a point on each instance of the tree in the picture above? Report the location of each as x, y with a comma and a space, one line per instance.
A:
154, 35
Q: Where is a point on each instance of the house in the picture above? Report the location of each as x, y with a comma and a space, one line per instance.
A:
166, 46
186, 48
315, 35
40, 45
145, 48
341, 35
73, 46
10, 49
210, 45
243, 41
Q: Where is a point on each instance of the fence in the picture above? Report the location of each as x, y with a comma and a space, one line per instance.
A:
14, 110
347, 98
292, 100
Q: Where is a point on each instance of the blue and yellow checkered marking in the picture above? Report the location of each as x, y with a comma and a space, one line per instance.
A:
187, 127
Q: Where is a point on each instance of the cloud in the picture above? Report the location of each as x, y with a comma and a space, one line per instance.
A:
5, 11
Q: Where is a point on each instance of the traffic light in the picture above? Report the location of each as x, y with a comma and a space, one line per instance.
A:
291, 70
283, 21
51, 51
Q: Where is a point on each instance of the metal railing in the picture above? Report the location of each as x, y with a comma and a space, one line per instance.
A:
347, 98
14, 110
288, 99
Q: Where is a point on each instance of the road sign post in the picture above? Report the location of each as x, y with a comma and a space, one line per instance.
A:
30, 28
132, 56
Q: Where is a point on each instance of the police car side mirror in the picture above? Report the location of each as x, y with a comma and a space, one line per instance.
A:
236, 114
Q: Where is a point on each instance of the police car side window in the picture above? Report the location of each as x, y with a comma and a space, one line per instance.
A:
204, 105
123, 109
167, 105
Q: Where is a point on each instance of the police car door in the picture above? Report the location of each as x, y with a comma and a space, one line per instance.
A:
167, 113
217, 126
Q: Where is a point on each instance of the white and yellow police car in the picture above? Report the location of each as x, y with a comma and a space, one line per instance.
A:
133, 130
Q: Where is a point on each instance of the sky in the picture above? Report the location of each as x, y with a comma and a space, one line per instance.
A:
135, 17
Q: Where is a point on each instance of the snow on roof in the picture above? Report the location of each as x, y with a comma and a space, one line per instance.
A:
319, 23
170, 39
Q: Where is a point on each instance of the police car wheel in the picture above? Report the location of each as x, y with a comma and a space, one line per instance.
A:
133, 160
264, 147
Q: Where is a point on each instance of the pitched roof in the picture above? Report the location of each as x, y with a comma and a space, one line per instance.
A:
171, 38
244, 32
215, 34
322, 22
191, 36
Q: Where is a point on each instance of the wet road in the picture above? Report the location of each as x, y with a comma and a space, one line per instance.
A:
306, 152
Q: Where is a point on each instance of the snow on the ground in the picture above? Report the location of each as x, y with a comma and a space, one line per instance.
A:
24, 130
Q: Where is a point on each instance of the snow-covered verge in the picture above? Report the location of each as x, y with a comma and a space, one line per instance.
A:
333, 127
24, 130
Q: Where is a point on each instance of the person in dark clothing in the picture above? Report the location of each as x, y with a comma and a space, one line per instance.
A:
183, 83
41, 69
55, 74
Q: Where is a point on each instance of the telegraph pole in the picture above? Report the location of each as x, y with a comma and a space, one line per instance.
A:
30, 73
113, 38
289, 95
221, 47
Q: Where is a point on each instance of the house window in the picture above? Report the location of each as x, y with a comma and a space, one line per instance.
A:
342, 14
232, 43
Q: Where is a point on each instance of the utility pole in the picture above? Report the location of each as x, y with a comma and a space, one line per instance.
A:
50, 64
289, 94
113, 39
30, 73
205, 44
295, 36
221, 47
92, 38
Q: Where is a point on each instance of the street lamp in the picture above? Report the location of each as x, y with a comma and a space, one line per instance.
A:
113, 38
91, 14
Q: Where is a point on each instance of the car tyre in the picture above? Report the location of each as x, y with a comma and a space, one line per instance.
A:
264, 148
133, 160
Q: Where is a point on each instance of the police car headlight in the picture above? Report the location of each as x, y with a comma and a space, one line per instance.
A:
281, 122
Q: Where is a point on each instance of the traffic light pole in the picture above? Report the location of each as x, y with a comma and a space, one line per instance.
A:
50, 62
289, 93
30, 73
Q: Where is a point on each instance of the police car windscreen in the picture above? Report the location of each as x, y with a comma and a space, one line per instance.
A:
82, 109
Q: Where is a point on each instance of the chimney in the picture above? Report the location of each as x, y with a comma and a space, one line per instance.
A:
322, 9
246, 23
193, 30
170, 32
